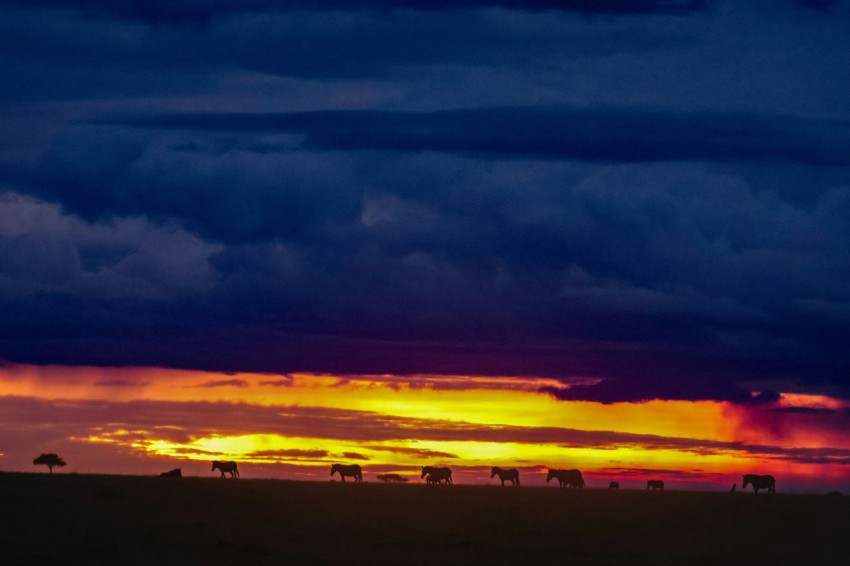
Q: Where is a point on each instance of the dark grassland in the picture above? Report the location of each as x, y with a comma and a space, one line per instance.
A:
87, 519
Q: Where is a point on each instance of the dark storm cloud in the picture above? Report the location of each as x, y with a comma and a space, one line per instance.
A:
526, 310
605, 135
203, 12
60, 55
659, 203
823, 5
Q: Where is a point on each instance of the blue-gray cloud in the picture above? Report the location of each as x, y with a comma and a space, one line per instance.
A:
202, 13
654, 194
604, 135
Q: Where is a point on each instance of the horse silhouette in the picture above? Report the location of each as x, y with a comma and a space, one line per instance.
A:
437, 475
229, 467
352, 471
566, 478
509, 475
655, 484
760, 482
175, 473
614, 485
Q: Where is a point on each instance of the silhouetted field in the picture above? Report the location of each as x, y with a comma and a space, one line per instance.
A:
87, 519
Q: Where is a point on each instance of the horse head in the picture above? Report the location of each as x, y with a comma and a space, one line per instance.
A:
550, 475
493, 471
215, 465
335, 469
747, 480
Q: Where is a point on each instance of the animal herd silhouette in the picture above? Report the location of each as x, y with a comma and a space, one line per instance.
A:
434, 475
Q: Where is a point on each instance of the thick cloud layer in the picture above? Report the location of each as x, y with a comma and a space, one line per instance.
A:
178, 12
656, 199
607, 136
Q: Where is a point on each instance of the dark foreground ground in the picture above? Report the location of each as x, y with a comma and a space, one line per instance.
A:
122, 520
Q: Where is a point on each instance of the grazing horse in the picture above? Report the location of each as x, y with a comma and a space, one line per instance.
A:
566, 478
760, 482
655, 484
352, 471
229, 467
175, 473
510, 475
614, 485
437, 475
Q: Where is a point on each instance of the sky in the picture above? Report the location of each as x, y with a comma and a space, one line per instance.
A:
609, 235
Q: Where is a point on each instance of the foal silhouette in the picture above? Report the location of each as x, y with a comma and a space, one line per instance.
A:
571, 478
436, 475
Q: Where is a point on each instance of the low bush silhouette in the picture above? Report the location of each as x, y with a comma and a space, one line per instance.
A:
391, 478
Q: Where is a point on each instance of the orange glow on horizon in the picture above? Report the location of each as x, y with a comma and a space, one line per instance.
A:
471, 422
492, 400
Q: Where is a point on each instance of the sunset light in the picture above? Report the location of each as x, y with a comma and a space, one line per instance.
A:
400, 282
599, 235
297, 425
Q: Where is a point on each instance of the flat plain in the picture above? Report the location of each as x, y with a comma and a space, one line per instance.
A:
92, 519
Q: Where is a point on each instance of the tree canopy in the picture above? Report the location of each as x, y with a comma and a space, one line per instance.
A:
49, 460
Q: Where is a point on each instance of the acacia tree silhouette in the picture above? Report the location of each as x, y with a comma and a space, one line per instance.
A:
49, 460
